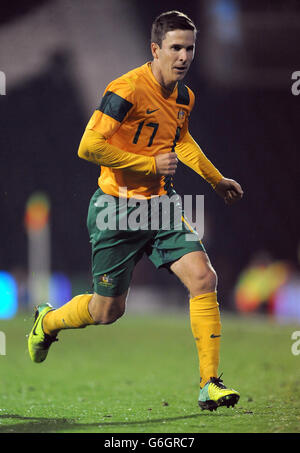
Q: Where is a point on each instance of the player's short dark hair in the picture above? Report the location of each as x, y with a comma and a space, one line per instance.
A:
168, 21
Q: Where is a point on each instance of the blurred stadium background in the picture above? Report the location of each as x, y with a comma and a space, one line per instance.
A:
58, 56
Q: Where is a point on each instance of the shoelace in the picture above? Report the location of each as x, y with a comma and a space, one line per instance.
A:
218, 381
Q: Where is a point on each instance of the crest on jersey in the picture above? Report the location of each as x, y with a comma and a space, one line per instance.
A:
181, 114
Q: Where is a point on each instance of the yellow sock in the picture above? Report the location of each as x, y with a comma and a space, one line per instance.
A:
206, 328
73, 315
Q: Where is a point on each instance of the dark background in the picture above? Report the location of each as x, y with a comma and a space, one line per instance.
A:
246, 120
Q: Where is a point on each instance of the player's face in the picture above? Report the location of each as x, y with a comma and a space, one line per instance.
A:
175, 55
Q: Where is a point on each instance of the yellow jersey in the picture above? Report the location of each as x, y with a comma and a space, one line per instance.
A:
137, 116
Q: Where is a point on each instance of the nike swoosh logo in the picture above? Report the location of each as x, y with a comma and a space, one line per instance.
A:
36, 323
214, 336
150, 111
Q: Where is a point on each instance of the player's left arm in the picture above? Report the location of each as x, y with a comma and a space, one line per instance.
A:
190, 153
230, 190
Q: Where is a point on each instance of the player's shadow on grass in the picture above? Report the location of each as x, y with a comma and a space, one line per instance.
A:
54, 425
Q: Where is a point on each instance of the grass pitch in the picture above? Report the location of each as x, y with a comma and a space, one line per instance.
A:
140, 375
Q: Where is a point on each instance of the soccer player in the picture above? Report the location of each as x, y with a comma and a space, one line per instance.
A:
137, 134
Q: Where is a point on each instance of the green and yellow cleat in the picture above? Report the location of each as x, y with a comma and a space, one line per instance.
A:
38, 341
214, 394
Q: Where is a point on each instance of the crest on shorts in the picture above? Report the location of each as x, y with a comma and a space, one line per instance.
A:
105, 280
181, 114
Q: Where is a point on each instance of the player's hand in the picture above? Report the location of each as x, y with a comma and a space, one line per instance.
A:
166, 164
229, 190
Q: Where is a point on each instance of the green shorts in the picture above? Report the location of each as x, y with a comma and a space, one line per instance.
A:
122, 230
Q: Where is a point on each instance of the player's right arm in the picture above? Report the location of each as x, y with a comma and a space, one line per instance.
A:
94, 148
105, 121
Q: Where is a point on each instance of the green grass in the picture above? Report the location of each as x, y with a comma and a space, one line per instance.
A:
140, 375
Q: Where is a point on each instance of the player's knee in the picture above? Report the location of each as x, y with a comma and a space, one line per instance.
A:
108, 315
111, 316
106, 312
204, 281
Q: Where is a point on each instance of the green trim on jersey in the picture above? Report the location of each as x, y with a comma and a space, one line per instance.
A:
114, 106
183, 96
